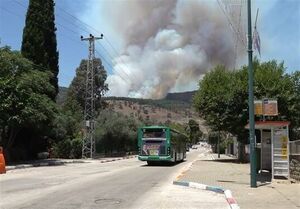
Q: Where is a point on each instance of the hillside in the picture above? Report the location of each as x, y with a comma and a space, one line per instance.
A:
181, 96
163, 103
152, 111
175, 108
155, 111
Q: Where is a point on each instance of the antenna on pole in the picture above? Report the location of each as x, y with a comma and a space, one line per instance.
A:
88, 145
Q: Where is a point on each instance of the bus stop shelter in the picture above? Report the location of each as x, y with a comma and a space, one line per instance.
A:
272, 147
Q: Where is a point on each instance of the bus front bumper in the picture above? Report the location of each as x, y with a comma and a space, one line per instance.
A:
154, 158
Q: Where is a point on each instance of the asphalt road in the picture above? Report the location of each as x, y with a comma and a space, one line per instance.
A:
121, 184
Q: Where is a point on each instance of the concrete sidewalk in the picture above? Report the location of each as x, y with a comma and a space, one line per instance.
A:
56, 162
227, 173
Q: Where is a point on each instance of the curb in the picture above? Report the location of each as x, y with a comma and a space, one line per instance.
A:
57, 163
8, 168
229, 198
116, 159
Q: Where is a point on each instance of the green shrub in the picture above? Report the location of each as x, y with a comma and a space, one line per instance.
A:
68, 148
76, 148
62, 149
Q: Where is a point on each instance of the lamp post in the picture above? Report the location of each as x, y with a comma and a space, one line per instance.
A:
251, 103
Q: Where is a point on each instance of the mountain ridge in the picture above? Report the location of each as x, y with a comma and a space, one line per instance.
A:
185, 97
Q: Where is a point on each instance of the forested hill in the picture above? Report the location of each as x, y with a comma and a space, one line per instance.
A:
176, 107
179, 100
162, 103
181, 96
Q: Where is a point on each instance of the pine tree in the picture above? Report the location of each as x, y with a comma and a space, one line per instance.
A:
39, 39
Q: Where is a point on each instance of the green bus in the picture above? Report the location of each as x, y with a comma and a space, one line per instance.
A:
161, 143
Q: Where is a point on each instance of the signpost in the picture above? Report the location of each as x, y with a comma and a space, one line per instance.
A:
258, 107
270, 107
251, 102
266, 107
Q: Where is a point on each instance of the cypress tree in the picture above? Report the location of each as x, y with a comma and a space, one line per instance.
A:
39, 39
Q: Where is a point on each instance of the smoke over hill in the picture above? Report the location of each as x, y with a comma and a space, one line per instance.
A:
168, 45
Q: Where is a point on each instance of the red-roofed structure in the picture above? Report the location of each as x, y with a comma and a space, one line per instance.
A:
273, 147
269, 124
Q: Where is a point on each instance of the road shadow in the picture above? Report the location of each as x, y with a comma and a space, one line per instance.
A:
236, 161
264, 178
161, 164
36, 162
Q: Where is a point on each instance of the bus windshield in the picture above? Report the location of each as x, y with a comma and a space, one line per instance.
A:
154, 133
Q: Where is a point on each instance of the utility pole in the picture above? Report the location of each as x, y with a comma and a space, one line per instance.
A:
251, 103
88, 145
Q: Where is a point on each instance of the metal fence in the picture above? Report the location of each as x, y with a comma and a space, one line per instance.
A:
294, 159
294, 150
295, 147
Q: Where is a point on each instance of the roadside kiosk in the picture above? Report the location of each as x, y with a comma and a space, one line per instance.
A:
274, 139
273, 147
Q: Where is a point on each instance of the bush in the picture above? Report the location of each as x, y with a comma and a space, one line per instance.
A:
115, 133
76, 148
62, 149
68, 148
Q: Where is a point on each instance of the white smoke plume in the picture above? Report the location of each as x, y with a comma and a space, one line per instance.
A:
168, 45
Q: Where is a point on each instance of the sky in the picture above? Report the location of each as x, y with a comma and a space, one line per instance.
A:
278, 25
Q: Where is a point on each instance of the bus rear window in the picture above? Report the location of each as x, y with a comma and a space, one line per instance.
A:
154, 133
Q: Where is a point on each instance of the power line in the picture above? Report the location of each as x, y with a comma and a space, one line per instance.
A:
112, 59
35, 66
72, 39
95, 30
120, 57
236, 31
126, 81
236, 43
10, 12
41, 26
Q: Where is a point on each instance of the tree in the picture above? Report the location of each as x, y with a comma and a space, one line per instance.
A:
39, 39
115, 133
25, 110
295, 101
222, 98
214, 97
67, 132
76, 91
182, 128
194, 131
